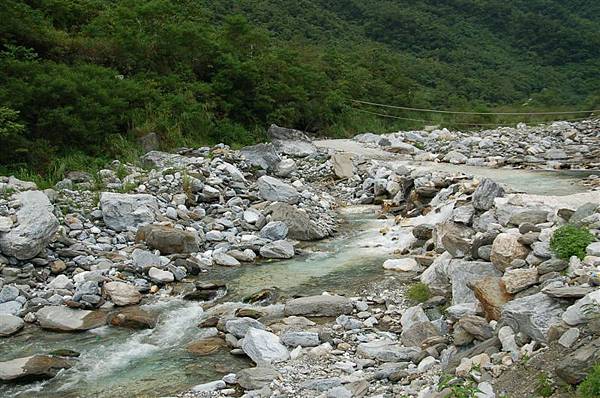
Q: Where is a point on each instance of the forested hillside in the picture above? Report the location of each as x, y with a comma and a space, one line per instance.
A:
81, 79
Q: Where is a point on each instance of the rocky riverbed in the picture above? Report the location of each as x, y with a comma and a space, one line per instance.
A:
196, 232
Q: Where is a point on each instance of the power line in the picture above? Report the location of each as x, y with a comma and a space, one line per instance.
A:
471, 113
456, 123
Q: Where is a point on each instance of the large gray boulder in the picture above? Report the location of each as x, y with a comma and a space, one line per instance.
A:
240, 326
279, 249
275, 230
169, 240
36, 367
123, 211
486, 192
275, 190
261, 155
295, 148
10, 324
583, 309
299, 224
36, 225
64, 319
575, 367
264, 347
532, 315
322, 305
462, 273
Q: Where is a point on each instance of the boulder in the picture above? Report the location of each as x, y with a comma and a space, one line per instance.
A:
64, 319
261, 155
279, 249
532, 315
132, 318
168, 240
121, 293
575, 367
256, 378
299, 224
35, 367
239, 326
418, 333
225, 260
491, 293
505, 249
304, 339
264, 347
580, 311
275, 190
530, 216
123, 211
343, 166
454, 238
10, 324
386, 351
516, 280
285, 168
274, 230
295, 148
462, 273
36, 225
322, 305
486, 192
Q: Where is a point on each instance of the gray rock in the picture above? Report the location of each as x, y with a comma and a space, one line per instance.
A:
169, 240
276, 190
275, 230
36, 225
239, 326
256, 378
593, 249
121, 293
279, 249
296, 148
144, 259
486, 192
36, 367
569, 337
579, 312
264, 347
304, 339
530, 216
8, 293
123, 211
532, 315
343, 166
285, 168
418, 333
160, 276
261, 155
386, 351
575, 367
225, 260
66, 319
10, 324
583, 212
322, 305
10, 307
299, 224
464, 272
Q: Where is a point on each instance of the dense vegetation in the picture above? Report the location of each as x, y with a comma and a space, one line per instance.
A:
81, 79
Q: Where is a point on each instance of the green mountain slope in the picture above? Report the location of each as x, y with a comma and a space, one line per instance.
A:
86, 77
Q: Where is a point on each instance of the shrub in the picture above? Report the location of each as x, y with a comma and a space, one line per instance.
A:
570, 240
590, 387
419, 292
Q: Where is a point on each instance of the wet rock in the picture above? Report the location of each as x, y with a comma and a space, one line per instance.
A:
123, 211
264, 347
132, 318
36, 367
256, 378
168, 240
206, 346
275, 190
322, 305
36, 226
505, 249
64, 319
10, 324
122, 293
532, 315
279, 249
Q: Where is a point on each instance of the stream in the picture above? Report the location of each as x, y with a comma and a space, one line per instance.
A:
117, 362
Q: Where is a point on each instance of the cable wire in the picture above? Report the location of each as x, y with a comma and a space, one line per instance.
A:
471, 113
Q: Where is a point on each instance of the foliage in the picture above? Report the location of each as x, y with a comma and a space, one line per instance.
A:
92, 76
458, 388
590, 387
418, 292
544, 386
570, 240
